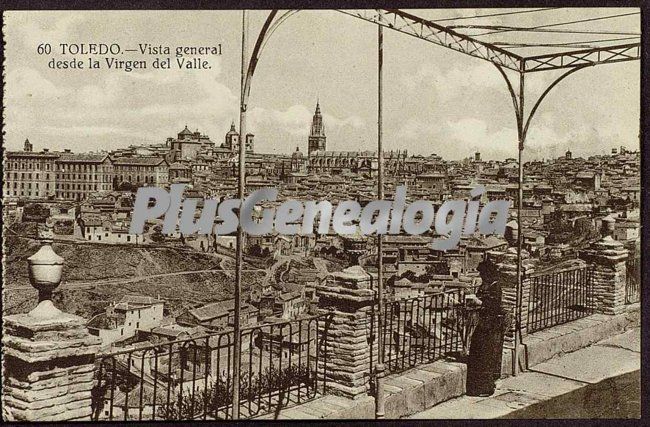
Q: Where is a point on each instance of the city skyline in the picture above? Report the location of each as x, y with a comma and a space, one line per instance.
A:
455, 104
470, 154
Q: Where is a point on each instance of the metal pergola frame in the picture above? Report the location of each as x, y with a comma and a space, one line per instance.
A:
441, 35
432, 32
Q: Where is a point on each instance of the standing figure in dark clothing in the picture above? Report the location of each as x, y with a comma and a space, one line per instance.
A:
485, 353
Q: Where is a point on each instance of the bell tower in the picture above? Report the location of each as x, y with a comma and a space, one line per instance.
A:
232, 139
317, 138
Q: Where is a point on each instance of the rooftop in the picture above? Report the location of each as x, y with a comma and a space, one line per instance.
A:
82, 157
145, 161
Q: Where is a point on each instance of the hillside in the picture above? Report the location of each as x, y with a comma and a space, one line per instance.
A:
94, 275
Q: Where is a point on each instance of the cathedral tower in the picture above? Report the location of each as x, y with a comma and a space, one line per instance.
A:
233, 138
317, 136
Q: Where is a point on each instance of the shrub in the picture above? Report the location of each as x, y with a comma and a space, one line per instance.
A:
219, 394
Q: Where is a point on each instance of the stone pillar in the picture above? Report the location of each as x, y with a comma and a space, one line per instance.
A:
48, 355
608, 256
346, 298
503, 268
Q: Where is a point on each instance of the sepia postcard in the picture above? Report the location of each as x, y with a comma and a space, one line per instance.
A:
322, 214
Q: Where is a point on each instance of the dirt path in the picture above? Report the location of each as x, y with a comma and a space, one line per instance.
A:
92, 284
271, 272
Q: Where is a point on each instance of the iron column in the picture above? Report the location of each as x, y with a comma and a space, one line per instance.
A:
520, 234
380, 396
240, 231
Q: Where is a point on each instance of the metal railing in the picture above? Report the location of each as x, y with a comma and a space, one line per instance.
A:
282, 364
633, 280
423, 329
559, 297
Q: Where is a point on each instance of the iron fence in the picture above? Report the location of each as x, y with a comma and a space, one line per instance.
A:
423, 329
559, 297
282, 364
633, 280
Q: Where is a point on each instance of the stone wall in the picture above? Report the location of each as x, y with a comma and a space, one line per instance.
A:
608, 257
502, 267
49, 368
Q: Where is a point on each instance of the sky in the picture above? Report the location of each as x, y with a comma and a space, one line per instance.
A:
435, 100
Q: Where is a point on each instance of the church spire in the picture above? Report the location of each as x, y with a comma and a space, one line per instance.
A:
317, 137
317, 127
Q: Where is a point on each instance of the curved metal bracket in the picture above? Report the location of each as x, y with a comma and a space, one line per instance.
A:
513, 95
522, 129
280, 20
543, 95
267, 30
252, 63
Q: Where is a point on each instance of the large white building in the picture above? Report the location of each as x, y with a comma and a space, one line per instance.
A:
122, 320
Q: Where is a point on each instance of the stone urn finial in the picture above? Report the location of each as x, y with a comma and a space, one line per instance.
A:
45, 268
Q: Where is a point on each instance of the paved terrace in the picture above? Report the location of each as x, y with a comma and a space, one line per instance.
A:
518, 397
557, 364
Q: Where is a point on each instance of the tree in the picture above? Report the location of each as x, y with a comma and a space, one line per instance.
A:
35, 212
560, 231
255, 250
125, 186
584, 230
564, 231
156, 235
110, 376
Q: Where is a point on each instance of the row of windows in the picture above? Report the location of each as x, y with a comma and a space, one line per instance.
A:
58, 186
43, 193
85, 177
70, 195
28, 166
138, 178
72, 166
29, 175
89, 177
79, 186
134, 168
35, 193
82, 167
105, 178
99, 237
29, 185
